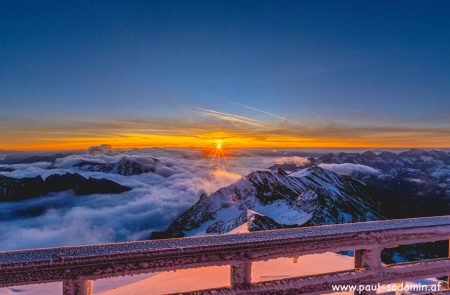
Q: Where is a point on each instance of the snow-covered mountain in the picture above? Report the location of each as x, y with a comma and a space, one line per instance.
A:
414, 161
274, 199
125, 166
412, 183
415, 181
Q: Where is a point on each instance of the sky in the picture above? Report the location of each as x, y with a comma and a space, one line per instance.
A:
266, 74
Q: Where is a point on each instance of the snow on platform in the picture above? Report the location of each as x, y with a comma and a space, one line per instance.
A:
200, 278
159, 246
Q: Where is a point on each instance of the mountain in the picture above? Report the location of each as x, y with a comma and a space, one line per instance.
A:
9, 160
415, 159
250, 220
125, 166
412, 183
275, 199
15, 189
404, 197
415, 177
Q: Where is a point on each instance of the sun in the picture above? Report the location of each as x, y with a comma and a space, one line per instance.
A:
217, 155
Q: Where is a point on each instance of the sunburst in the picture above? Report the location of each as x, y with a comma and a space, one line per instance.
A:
217, 155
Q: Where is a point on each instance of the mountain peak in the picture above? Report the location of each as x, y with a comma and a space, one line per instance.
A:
369, 154
315, 171
253, 221
270, 200
387, 155
414, 152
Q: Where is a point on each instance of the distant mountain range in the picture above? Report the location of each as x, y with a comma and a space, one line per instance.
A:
125, 166
408, 184
414, 162
411, 159
26, 159
16, 189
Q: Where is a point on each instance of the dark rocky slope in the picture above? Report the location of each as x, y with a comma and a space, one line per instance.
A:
15, 189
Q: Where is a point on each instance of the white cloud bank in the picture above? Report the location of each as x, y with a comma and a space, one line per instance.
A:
349, 168
296, 160
155, 200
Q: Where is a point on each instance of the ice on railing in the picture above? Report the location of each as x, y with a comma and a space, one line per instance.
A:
50, 255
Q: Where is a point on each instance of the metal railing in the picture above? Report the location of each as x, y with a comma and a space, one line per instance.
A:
78, 266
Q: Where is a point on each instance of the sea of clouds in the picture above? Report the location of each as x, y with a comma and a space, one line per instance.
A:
155, 200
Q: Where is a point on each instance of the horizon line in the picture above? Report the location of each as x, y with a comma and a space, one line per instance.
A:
227, 148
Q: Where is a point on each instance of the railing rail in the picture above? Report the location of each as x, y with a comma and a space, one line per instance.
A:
77, 266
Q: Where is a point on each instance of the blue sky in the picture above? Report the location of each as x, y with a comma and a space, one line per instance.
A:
344, 64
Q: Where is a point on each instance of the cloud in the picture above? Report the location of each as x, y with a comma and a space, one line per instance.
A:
155, 200
222, 178
259, 110
295, 160
103, 148
349, 168
234, 119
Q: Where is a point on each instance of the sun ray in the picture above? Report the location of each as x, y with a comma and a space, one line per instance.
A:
217, 156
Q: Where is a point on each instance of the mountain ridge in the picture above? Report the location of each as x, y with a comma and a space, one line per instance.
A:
15, 189
312, 196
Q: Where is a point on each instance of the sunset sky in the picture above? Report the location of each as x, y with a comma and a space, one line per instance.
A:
273, 74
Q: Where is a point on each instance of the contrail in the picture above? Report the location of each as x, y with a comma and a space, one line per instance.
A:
232, 118
255, 109
285, 119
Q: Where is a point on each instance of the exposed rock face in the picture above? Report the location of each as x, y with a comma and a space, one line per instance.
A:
270, 200
125, 166
14, 189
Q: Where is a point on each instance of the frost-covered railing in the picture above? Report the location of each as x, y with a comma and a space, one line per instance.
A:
78, 266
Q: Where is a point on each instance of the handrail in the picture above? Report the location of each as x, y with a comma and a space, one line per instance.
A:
77, 266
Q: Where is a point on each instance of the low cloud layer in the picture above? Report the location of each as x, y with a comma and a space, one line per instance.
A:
155, 200
349, 168
103, 148
295, 160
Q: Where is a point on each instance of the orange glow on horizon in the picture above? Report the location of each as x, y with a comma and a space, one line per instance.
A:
212, 139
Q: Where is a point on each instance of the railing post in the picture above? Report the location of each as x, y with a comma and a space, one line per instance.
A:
77, 287
368, 259
448, 277
241, 274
